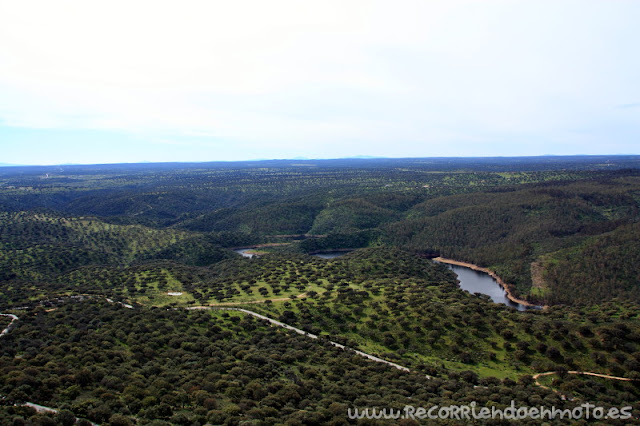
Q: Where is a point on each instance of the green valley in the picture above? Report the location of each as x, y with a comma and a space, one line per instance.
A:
105, 265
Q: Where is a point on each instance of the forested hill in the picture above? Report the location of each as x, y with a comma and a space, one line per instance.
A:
521, 217
509, 230
116, 284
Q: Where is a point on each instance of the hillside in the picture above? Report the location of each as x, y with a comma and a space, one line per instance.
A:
600, 268
109, 362
510, 229
122, 278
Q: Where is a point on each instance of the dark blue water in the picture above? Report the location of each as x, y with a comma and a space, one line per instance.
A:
479, 282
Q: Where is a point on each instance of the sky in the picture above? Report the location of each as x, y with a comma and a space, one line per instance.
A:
85, 81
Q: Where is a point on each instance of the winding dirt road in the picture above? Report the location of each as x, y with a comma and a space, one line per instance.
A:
223, 306
580, 373
13, 320
47, 410
304, 333
44, 409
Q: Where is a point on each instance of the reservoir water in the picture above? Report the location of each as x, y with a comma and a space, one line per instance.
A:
249, 252
479, 282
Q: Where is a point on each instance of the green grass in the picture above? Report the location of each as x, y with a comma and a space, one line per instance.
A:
254, 295
156, 294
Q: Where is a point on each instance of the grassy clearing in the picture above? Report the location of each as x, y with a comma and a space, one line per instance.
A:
262, 290
154, 291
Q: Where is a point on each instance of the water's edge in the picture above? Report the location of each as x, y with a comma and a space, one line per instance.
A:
492, 274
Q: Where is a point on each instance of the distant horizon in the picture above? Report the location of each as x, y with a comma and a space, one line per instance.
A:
357, 157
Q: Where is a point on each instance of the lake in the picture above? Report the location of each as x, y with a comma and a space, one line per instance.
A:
479, 282
247, 252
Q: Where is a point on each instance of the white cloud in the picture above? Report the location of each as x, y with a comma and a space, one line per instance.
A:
337, 72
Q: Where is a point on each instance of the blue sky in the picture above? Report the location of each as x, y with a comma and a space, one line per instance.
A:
123, 81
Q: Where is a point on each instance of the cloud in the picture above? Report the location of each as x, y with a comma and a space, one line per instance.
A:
353, 76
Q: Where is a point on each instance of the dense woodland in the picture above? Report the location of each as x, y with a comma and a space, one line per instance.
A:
100, 263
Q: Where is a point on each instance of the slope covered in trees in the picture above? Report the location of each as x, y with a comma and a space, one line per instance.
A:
602, 267
101, 263
499, 214
509, 229
109, 363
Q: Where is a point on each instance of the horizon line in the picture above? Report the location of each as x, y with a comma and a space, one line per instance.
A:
357, 157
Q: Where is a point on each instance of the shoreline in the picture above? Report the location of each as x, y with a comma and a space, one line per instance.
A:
493, 275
